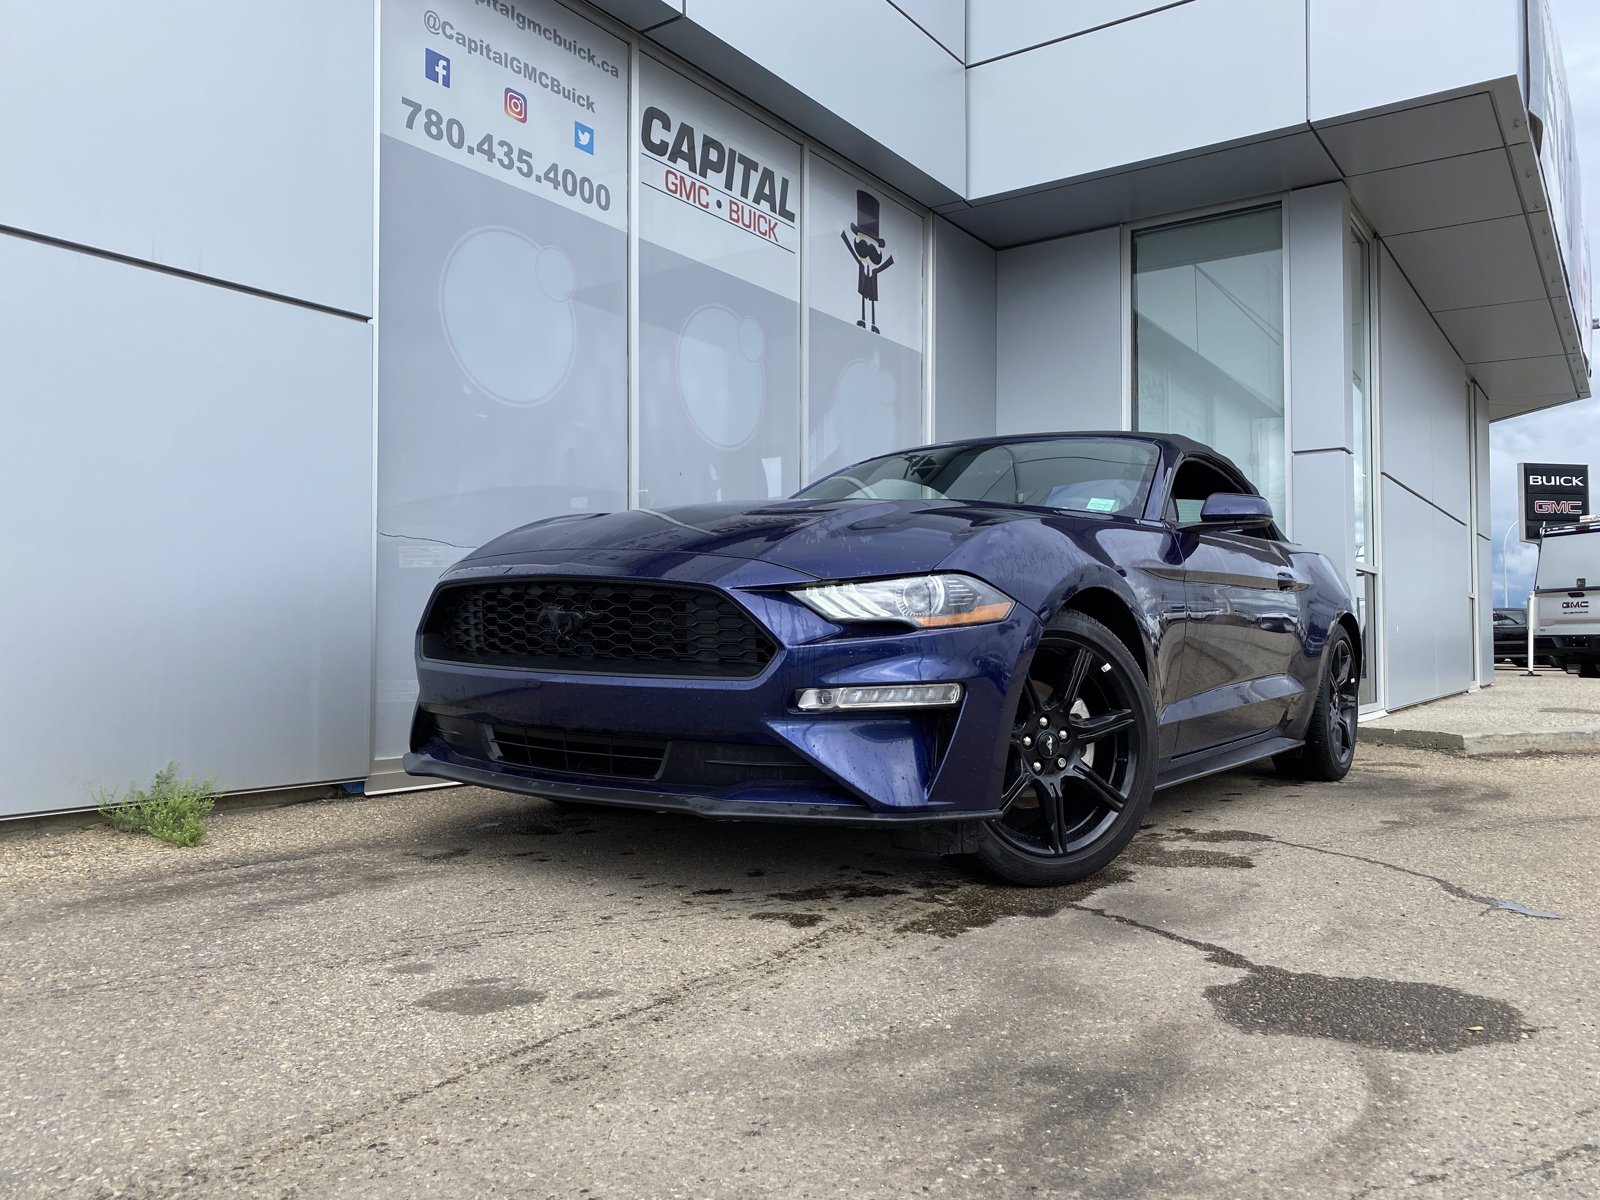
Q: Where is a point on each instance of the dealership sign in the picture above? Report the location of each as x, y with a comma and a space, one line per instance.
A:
1551, 494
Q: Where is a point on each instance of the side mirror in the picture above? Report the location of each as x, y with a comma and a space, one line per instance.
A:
1236, 511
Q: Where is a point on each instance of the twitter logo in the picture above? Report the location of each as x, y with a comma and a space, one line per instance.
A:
583, 137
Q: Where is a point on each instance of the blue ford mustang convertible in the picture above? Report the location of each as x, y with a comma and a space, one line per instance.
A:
998, 648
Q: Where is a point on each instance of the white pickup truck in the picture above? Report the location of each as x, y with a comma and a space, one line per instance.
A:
1566, 595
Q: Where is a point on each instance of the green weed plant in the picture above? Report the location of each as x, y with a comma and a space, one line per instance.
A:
171, 809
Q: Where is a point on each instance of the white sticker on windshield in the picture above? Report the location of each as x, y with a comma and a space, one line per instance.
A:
1101, 505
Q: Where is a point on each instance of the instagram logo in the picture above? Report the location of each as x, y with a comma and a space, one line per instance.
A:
516, 105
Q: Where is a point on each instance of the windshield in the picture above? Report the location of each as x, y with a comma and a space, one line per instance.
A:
1092, 475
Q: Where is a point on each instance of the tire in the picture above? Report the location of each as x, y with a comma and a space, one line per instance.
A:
1084, 710
1589, 670
1330, 745
1559, 664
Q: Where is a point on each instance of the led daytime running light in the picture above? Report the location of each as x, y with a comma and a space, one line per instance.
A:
904, 695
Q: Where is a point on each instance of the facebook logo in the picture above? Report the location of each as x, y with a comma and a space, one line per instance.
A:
583, 137
438, 68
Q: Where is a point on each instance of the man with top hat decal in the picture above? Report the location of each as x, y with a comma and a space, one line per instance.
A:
866, 247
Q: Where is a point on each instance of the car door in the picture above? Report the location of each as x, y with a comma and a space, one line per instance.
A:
1244, 598
1510, 635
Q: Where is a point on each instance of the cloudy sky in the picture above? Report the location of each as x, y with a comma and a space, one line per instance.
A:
1571, 433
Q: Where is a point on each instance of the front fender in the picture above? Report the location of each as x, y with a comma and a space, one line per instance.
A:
1048, 564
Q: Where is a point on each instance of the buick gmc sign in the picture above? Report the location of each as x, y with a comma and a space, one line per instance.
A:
1551, 494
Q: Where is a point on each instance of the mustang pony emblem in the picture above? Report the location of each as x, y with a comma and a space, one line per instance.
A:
562, 623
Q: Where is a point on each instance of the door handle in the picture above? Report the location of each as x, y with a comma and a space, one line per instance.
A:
1287, 582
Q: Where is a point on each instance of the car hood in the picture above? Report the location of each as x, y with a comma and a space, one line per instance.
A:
828, 539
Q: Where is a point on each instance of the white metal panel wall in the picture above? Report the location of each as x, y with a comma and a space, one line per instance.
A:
1323, 502
1059, 310
1427, 551
997, 27
863, 61
1195, 75
1365, 54
186, 506
1422, 387
1410, 598
1452, 582
231, 140
945, 21
964, 350
1317, 229
1427, 603
1322, 508
1485, 546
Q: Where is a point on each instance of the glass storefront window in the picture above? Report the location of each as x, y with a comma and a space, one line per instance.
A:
1208, 338
719, 245
864, 327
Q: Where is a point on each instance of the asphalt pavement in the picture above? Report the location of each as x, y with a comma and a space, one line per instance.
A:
1284, 989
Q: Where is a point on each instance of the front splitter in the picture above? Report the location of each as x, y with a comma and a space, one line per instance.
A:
709, 807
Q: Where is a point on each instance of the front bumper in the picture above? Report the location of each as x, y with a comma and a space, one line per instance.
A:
854, 768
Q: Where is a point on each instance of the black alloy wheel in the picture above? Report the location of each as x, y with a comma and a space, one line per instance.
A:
1330, 745
1081, 763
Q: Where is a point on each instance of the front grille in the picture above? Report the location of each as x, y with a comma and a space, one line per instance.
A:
580, 754
602, 626
680, 763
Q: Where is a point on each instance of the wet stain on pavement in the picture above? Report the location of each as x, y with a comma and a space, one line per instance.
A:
478, 1001
1150, 852
847, 891
1221, 835
1381, 1014
975, 906
795, 920
442, 855
713, 892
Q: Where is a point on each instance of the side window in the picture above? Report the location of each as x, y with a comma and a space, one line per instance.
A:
1193, 484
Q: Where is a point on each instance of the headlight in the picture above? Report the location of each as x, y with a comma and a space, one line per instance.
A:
926, 601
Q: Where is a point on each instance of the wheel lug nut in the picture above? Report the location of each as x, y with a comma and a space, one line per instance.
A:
1061, 762
1038, 766
1044, 722
1027, 741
